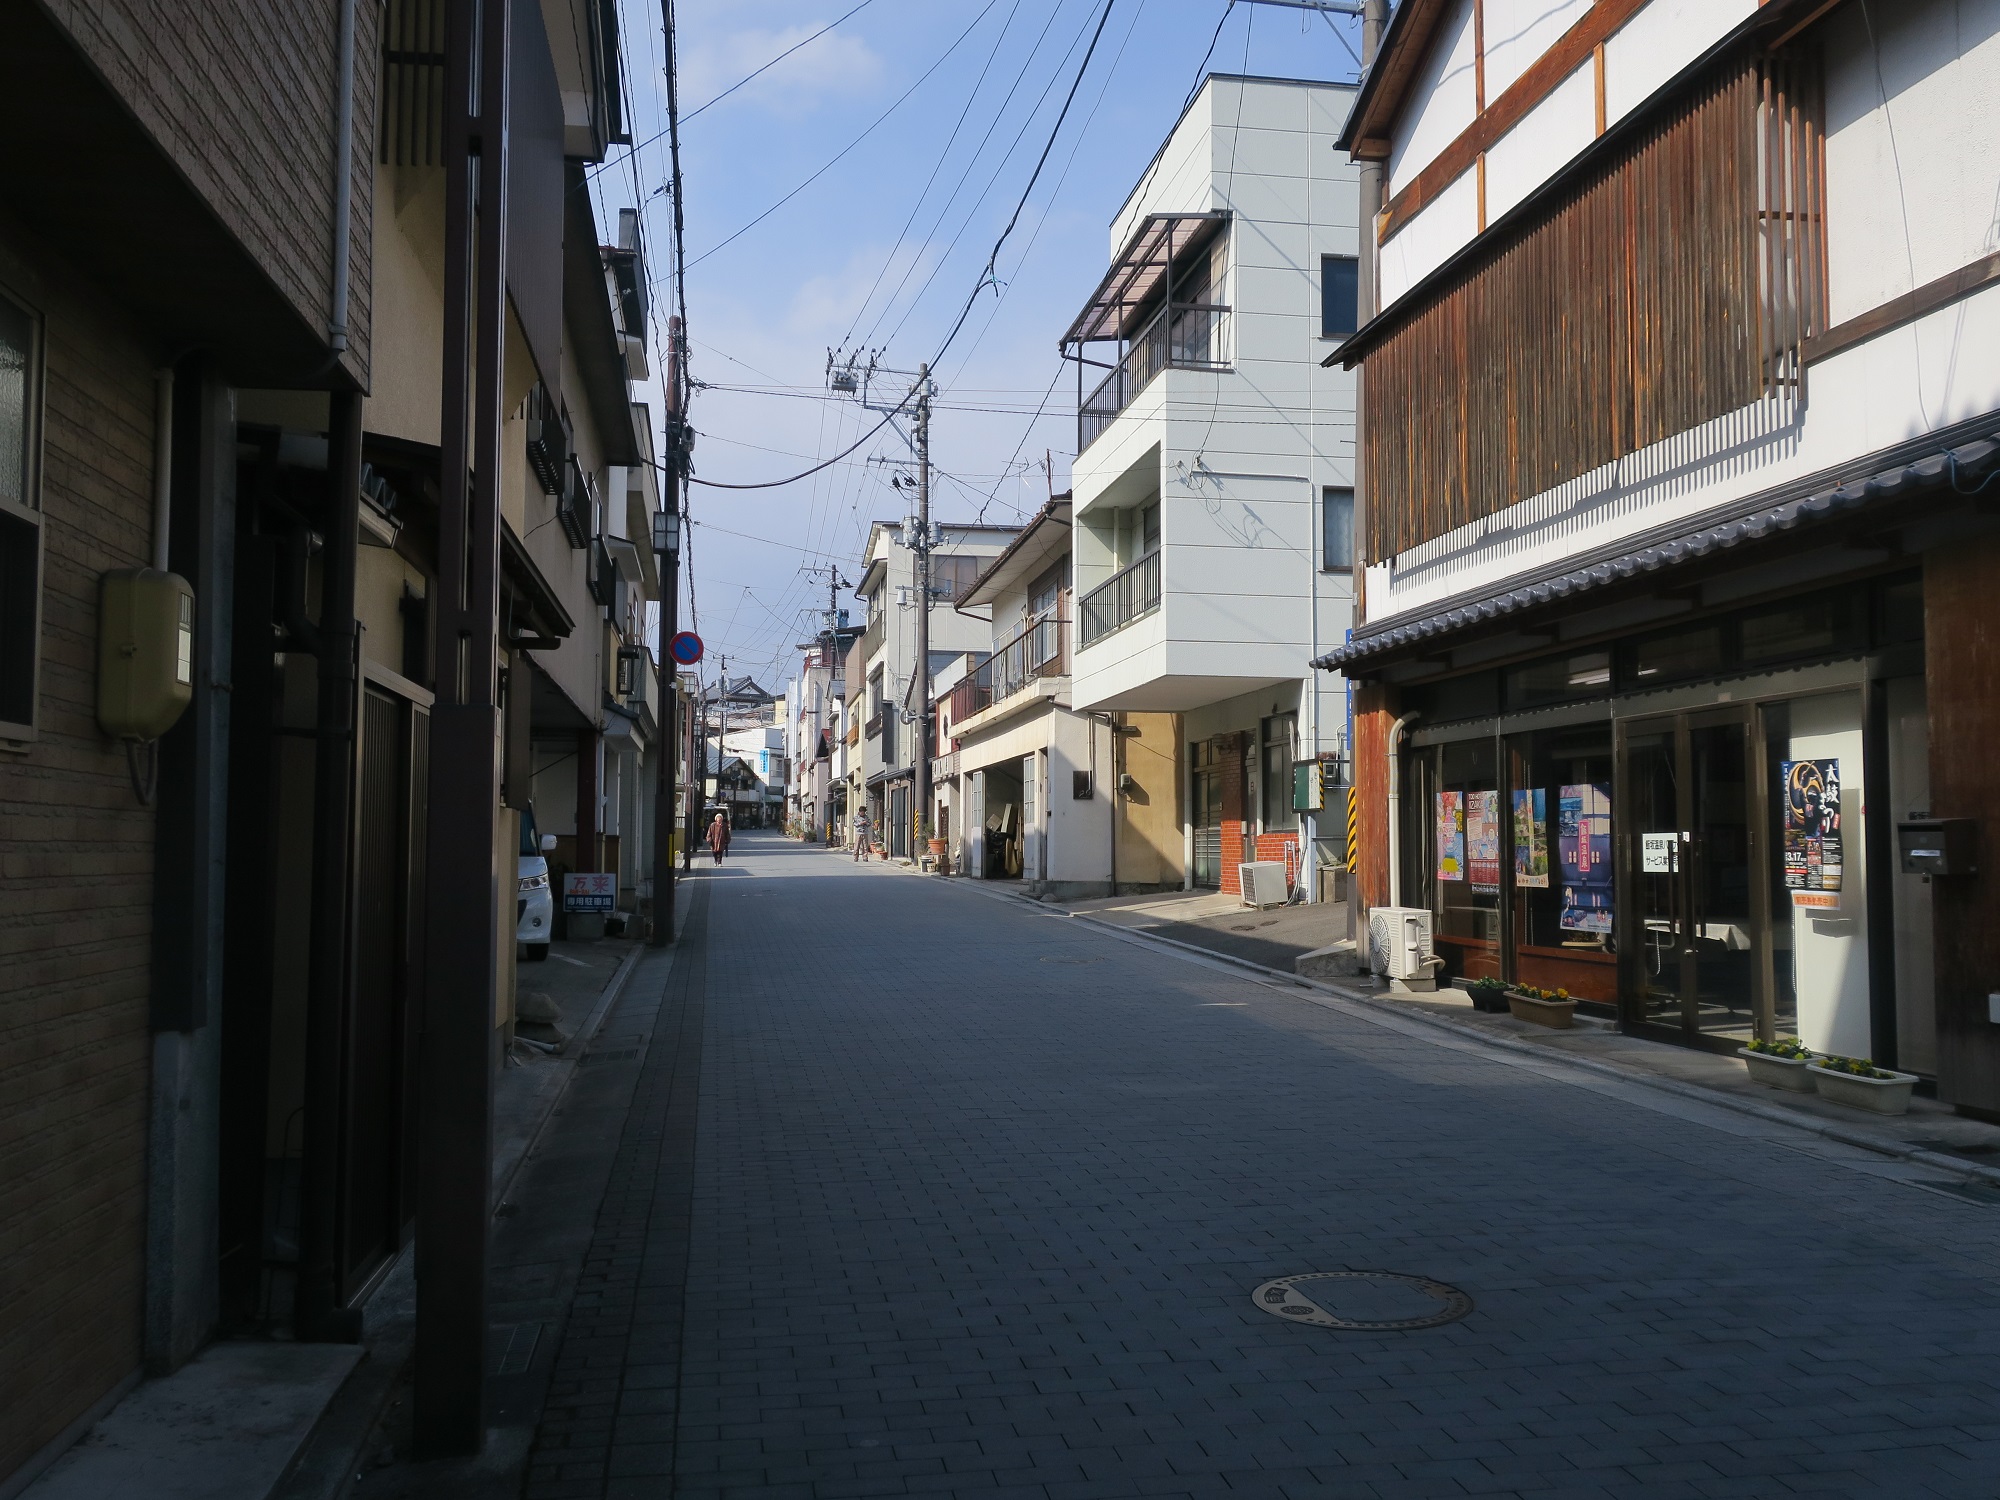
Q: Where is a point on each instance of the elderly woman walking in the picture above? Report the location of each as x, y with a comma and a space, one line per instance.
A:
718, 837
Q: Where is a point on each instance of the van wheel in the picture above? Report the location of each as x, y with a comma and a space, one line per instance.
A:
535, 953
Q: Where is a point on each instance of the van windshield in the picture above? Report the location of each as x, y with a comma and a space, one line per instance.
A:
531, 843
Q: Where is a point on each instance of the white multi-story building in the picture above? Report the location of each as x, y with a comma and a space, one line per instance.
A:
1680, 403
1213, 482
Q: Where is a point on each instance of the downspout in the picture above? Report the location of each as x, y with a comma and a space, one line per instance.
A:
163, 463
1395, 802
343, 186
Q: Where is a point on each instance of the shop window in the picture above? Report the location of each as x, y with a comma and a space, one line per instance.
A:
1280, 736
1559, 679
1676, 656
20, 519
1820, 625
1464, 848
1561, 938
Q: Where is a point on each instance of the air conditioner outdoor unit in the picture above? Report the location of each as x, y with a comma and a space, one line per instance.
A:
1399, 948
1264, 884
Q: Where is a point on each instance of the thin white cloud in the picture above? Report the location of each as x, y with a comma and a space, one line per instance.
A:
834, 67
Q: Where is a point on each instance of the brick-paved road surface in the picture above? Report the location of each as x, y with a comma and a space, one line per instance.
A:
977, 1197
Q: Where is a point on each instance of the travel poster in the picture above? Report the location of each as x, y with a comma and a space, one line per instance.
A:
1451, 835
1482, 839
1531, 838
1812, 848
1583, 843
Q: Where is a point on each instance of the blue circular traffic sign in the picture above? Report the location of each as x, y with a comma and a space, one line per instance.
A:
685, 648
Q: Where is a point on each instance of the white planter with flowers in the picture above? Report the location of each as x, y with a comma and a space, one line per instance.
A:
1779, 1065
1859, 1084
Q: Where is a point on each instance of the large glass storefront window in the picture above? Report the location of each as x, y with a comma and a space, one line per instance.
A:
1465, 835
1559, 816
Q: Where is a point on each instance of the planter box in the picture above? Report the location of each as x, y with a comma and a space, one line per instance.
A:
1884, 1096
1558, 1014
1493, 1002
1778, 1072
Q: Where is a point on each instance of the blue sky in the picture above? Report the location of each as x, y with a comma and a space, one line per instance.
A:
884, 246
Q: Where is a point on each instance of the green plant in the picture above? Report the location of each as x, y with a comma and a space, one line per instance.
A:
1789, 1046
1858, 1067
1489, 984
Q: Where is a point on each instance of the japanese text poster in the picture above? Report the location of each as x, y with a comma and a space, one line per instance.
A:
1531, 838
1583, 827
1482, 839
1812, 831
1451, 835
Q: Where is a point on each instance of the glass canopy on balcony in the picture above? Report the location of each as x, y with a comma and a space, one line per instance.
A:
1134, 306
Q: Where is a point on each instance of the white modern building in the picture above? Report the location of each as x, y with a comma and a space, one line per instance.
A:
1213, 482
1682, 417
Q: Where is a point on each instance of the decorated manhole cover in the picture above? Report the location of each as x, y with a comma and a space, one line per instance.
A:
1371, 1301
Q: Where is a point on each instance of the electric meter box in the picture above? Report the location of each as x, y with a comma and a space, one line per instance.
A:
145, 652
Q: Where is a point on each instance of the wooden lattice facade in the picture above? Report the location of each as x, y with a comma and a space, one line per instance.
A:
1670, 286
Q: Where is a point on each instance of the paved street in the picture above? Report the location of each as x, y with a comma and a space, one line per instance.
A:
983, 1215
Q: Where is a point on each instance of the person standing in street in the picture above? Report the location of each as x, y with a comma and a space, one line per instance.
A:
718, 837
860, 834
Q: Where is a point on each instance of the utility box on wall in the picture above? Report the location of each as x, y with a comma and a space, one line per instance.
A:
1937, 846
145, 652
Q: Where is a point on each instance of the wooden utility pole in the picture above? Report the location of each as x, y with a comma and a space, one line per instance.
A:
667, 548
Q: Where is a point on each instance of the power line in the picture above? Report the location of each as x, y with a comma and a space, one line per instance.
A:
844, 150
633, 150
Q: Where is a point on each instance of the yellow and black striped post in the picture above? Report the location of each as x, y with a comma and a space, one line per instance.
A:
1353, 831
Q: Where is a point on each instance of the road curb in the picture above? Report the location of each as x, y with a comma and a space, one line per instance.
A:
1372, 1009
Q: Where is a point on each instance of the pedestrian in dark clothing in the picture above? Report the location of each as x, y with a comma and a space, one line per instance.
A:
718, 837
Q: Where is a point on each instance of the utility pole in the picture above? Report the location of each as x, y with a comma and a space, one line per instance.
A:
667, 549
922, 544
849, 377
1374, 21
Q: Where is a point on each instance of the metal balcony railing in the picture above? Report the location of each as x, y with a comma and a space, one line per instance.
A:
1125, 596
1180, 336
1039, 650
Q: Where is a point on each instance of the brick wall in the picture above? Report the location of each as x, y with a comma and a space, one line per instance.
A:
241, 95
76, 886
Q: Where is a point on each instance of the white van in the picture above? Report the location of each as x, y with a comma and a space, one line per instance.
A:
534, 907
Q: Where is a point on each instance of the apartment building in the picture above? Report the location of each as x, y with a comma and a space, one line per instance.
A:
1682, 402
224, 367
1213, 483
884, 728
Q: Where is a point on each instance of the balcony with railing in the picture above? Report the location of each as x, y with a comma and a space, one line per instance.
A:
1130, 594
1039, 652
1180, 336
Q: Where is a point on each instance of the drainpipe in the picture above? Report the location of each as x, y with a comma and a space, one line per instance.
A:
343, 185
1395, 800
163, 463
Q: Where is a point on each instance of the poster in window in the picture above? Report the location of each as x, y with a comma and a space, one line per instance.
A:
1531, 839
1482, 839
1812, 831
1583, 842
1451, 835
